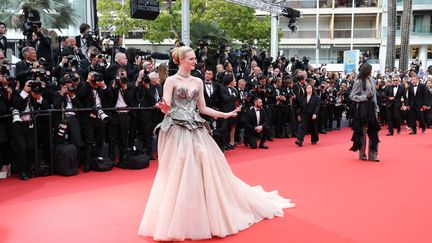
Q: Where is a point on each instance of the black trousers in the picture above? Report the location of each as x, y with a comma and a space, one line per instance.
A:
23, 140
330, 116
338, 111
279, 119
415, 114
323, 118
253, 136
118, 130
308, 124
93, 134
393, 118
144, 122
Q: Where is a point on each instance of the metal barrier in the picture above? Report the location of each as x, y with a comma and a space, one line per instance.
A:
49, 114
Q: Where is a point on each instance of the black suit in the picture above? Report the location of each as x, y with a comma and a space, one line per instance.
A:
119, 124
23, 72
251, 123
144, 98
73, 124
42, 46
211, 96
227, 104
3, 46
416, 102
306, 110
94, 127
393, 106
23, 133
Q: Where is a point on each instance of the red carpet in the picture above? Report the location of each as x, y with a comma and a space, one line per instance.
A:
339, 198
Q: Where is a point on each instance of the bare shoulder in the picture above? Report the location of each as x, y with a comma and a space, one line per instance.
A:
198, 82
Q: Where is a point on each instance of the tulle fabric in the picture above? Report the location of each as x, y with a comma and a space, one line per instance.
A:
196, 196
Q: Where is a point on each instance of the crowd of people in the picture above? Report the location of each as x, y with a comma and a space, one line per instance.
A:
98, 102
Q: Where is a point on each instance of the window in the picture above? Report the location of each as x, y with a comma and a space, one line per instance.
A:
418, 23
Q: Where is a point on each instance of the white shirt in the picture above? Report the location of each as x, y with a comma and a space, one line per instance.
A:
308, 98
395, 89
209, 89
258, 116
415, 89
69, 106
120, 102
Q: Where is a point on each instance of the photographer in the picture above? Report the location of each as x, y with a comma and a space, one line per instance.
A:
324, 97
42, 46
73, 50
96, 63
58, 51
86, 38
5, 123
66, 98
119, 124
120, 62
279, 109
94, 94
145, 98
68, 64
27, 100
26, 69
3, 39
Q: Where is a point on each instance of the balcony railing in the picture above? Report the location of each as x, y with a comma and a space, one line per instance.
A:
357, 3
415, 2
307, 34
329, 3
358, 33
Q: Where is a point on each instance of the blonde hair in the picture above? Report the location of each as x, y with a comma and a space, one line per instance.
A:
179, 53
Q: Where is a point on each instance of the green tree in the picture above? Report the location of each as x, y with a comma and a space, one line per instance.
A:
53, 13
238, 22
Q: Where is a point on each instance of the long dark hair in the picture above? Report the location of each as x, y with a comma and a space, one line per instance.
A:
365, 71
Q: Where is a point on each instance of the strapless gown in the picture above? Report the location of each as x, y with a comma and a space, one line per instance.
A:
195, 195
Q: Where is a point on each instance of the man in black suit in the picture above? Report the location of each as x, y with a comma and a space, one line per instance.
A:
119, 124
42, 46
417, 98
3, 39
393, 95
66, 98
256, 125
120, 61
211, 94
25, 69
58, 51
85, 40
94, 94
24, 101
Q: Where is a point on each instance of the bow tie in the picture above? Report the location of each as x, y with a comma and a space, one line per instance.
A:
208, 82
394, 86
257, 109
415, 85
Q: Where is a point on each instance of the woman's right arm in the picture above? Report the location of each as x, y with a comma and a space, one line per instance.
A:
356, 95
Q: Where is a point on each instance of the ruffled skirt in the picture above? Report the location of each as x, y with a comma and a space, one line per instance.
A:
195, 195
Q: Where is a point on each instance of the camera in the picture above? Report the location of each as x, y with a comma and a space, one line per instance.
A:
73, 61
97, 77
101, 114
32, 22
36, 86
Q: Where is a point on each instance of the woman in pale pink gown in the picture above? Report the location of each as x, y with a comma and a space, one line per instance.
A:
195, 195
